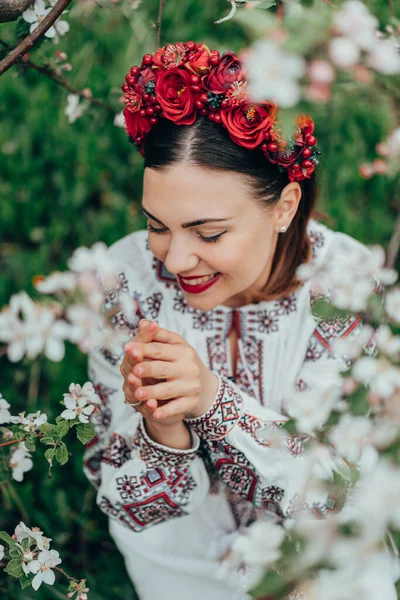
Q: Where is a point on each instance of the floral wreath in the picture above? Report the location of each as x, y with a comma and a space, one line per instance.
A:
183, 80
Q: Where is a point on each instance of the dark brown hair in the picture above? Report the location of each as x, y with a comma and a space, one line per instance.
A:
207, 145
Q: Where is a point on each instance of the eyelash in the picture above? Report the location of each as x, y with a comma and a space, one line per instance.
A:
209, 240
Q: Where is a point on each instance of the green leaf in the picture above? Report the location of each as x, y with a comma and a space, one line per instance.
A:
47, 428
20, 434
62, 428
7, 538
50, 440
30, 446
26, 580
85, 432
271, 584
49, 454
14, 568
290, 426
61, 454
14, 552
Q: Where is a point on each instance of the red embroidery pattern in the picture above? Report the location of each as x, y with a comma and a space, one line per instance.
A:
117, 451
222, 416
251, 425
253, 350
217, 357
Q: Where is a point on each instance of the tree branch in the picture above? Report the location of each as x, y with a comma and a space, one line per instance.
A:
159, 20
33, 37
51, 74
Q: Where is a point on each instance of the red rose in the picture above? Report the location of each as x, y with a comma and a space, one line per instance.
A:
221, 77
158, 58
136, 125
173, 93
248, 123
142, 79
199, 62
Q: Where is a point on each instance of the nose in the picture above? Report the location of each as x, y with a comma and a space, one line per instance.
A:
180, 258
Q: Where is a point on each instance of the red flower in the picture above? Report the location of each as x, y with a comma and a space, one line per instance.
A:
199, 62
173, 93
136, 125
248, 123
143, 78
221, 77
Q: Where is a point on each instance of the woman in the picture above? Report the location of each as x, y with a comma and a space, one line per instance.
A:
183, 454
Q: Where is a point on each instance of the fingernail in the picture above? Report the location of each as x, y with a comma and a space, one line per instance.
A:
141, 393
139, 370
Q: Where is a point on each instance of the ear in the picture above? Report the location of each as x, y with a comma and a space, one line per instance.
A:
287, 206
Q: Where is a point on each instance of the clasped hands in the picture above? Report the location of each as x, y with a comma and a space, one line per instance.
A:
166, 376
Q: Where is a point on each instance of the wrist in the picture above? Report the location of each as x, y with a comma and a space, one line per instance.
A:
209, 389
176, 435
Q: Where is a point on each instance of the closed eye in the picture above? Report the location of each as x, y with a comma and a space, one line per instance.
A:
208, 240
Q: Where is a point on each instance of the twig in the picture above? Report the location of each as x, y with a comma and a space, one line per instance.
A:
159, 20
394, 245
329, 3
51, 74
391, 6
280, 10
9, 443
64, 573
33, 37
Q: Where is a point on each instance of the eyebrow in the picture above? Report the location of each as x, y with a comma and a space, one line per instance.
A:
185, 225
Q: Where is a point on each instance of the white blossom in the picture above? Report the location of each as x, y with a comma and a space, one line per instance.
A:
258, 547
5, 415
343, 52
35, 16
2, 551
378, 373
321, 71
119, 120
350, 273
376, 500
393, 142
274, 74
350, 435
20, 461
46, 560
23, 532
385, 57
30, 423
392, 304
80, 402
355, 22
57, 282
387, 342
30, 329
95, 259
75, 108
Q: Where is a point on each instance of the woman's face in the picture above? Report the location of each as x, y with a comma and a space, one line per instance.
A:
204, 222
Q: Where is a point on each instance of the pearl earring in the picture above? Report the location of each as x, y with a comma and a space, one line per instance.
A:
283, 229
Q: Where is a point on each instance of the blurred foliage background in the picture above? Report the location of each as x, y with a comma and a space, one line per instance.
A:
64, 185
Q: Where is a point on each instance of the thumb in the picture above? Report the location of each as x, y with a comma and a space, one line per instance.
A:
147, 330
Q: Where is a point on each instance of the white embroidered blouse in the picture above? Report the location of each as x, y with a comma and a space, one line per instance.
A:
281, 347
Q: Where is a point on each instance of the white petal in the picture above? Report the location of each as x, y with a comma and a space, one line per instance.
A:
62, 27
70, 402
68, 414
49, 577
29, 16
15, 351
54, 350
50, 33
37, 580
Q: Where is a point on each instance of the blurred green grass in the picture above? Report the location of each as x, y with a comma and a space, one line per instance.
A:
62, 186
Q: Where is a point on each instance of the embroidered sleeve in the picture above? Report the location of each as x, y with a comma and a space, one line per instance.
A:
140, 483
144, 483
244, 443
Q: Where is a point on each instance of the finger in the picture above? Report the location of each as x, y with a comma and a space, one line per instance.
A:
167, 390
158, 351
157, 370
177, 407
168, 337
147, 330
133, 354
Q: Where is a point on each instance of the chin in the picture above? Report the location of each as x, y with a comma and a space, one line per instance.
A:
200, 303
